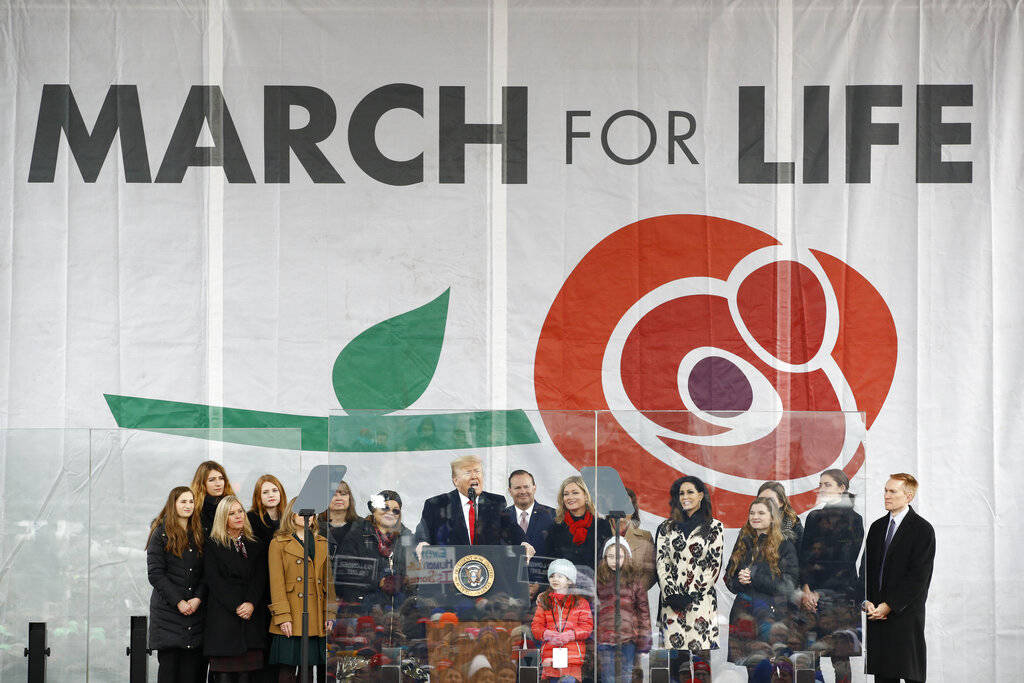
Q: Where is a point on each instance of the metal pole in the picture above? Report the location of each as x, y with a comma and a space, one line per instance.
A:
614, 517
137, 651
37, 652
304, 668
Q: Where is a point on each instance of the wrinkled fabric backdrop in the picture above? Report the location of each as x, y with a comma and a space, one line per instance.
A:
800, 208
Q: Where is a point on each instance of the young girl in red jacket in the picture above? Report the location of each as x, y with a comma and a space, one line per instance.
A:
634, 633
562, 620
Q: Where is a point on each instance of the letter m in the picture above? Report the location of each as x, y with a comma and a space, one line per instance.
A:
58, 112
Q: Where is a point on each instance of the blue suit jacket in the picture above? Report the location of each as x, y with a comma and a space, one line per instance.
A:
541, 521
442, 522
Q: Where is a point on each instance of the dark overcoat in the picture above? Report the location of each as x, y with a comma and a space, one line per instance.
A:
232, 580
559, 543
361, 544
766, 599
541, 521
443, 523
896, 647
174, 579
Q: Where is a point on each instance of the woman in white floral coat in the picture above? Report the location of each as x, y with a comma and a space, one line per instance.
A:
689, 546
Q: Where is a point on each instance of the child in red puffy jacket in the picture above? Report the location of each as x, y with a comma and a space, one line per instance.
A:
562, 620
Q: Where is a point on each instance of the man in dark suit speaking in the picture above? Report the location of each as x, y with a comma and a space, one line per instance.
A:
535, 519
467, 516
896, 570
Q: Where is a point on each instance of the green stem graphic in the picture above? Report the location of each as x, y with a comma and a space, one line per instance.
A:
337, 433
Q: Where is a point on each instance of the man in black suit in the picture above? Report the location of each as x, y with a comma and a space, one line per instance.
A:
535, 519
467, 516
896, 570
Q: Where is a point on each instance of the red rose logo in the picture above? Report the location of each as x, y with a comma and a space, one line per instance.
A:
713, 350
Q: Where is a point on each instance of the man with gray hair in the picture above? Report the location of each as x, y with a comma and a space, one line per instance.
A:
467, 515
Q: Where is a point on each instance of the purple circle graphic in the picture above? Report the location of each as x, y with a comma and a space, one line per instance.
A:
717, 384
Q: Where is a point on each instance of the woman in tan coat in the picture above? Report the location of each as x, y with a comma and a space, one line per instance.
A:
286, 561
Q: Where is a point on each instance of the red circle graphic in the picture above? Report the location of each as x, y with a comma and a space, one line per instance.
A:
762, 332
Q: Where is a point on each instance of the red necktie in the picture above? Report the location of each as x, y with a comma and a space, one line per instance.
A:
472, 522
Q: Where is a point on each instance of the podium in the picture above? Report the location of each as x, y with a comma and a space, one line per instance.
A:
479, 601
469, 579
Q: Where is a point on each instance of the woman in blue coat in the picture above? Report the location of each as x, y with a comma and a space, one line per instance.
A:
176, 607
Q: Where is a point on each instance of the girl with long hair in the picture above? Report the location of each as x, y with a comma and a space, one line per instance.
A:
209, 485
336, 520
634, 632
268, 500
288, 556
763, 571
790, 526
235, 568
576, 536
688, 551
174, 562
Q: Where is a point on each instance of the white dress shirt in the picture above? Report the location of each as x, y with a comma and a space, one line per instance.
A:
528, 511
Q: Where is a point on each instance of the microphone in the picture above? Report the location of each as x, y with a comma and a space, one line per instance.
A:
471, 493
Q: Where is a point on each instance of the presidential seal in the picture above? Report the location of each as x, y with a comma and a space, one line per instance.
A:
473, 575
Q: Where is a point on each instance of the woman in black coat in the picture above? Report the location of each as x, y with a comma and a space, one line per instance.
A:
763, 571
336, 521
236, 572
268, 500
384, 540
209, 485
576, 535
177, 605
828, 570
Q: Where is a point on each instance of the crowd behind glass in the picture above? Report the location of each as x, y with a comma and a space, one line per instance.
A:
227, 577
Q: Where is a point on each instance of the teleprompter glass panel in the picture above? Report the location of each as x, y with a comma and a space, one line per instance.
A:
755, 611
44, 546
133, 473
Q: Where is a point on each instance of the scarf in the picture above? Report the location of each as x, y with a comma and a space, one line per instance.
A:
240, 547
385, 542
311, 548
578, 527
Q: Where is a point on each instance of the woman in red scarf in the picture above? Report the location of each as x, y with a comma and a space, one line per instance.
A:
576, 536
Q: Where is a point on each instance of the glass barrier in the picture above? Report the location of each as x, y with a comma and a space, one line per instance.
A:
775, 605
77, 509
431, 620
44, 548
526, 596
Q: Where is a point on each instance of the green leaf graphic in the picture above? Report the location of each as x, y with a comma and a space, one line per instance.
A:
389, 366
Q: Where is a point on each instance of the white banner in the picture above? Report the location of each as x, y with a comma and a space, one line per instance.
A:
250, 215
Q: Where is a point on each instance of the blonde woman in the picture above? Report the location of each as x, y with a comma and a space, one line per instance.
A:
235, 571
576, 535
287, 560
